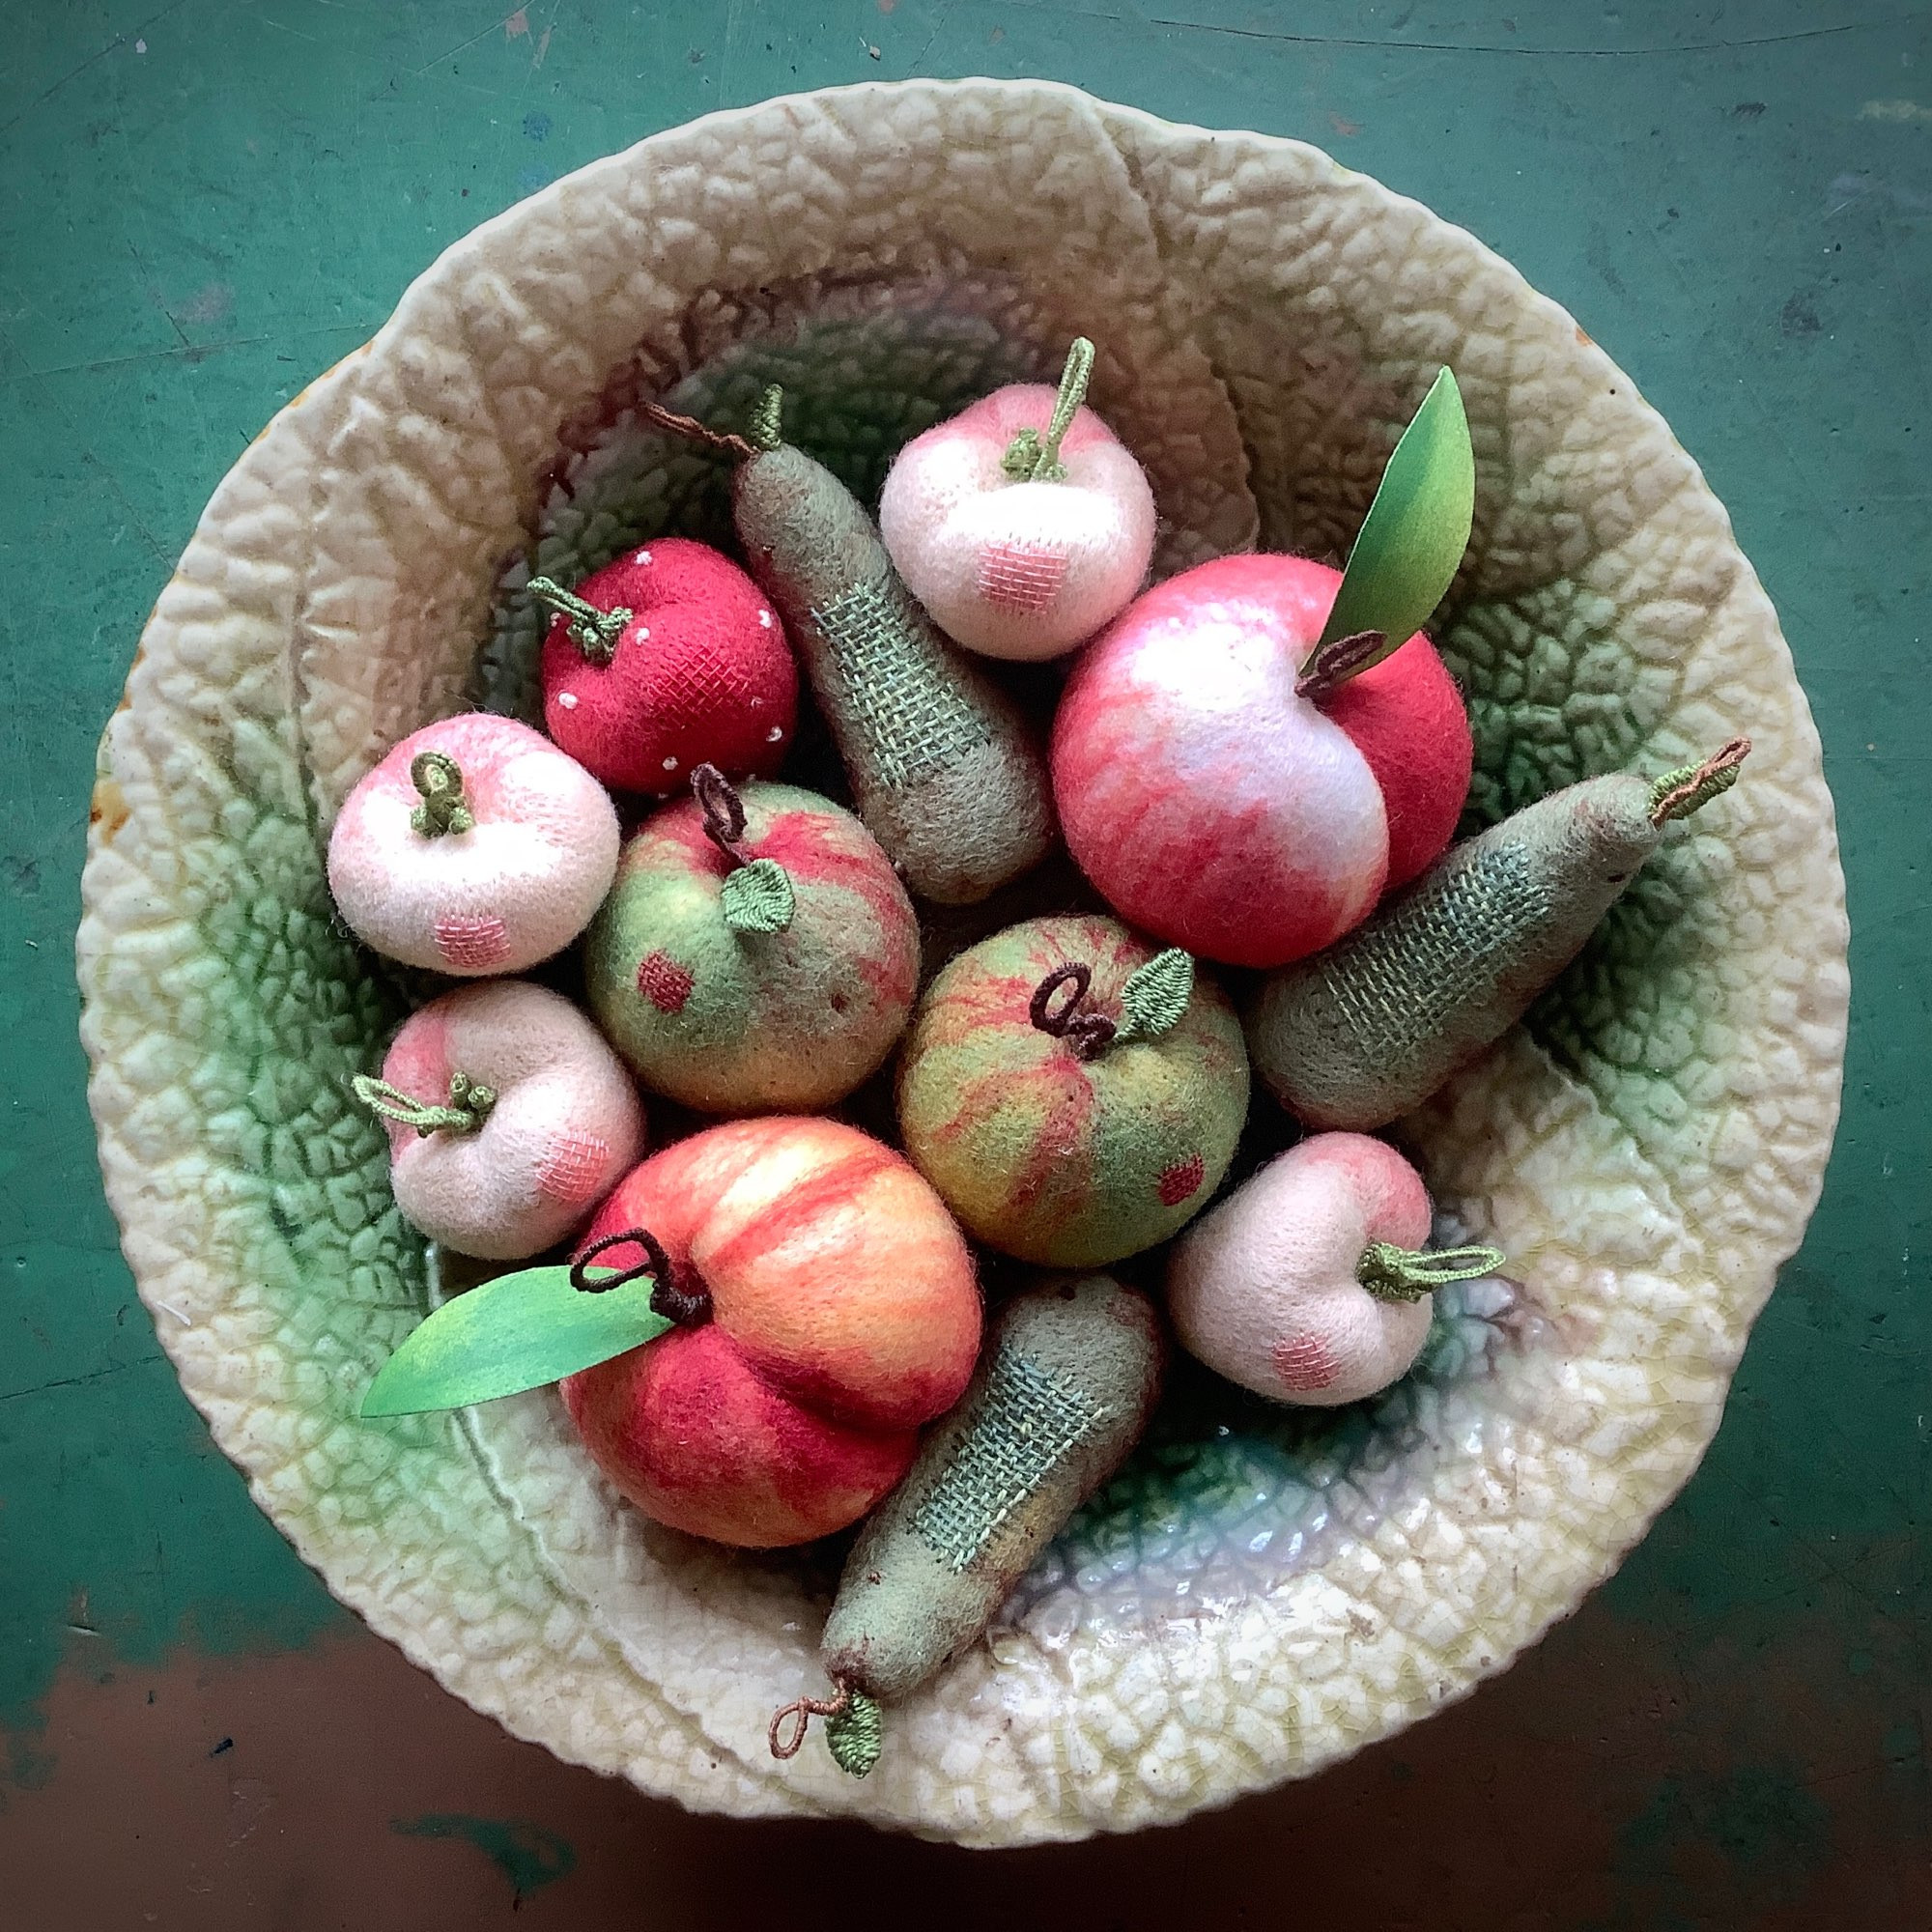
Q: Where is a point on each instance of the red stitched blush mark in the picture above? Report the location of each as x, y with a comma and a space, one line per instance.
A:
473, 943
664, 983
572, 1166
1020, 576
1181, 1180
1303, 1363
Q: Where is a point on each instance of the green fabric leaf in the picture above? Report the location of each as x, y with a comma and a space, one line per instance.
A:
1417, 527
513, 1333
856, 1735
758, 897
1157, 995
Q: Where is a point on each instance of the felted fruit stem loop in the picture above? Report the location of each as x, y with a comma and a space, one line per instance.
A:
594, 631
694, 431
1087, 1034
444, 808
757, 895
1032, 458
470, 1104
1332, 665
799, 1714
667, 1298
1407, 1275
1678, 794
723, 808
853, 1731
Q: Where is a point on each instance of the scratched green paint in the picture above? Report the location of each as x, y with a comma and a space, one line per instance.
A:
189, 233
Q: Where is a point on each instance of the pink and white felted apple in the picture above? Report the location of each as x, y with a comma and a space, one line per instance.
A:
1227, 804
1309, 1284
1023, 524
509, 1119
475, 846
666, 659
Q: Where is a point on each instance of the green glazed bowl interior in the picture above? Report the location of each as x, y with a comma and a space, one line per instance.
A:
1261, 1590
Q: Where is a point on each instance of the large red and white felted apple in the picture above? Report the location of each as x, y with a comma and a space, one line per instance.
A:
1224, 800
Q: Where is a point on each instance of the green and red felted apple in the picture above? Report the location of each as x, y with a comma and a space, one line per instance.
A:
1074, 1094
756, 952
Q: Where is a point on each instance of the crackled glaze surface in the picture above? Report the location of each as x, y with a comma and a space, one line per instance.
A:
1258, 1593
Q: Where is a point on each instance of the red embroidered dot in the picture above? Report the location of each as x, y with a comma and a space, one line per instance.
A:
572, 1167
472, 942
664, 983
1181, 1180
1303, 1363
1020, 576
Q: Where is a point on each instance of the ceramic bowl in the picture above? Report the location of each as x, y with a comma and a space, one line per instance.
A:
1262, 1591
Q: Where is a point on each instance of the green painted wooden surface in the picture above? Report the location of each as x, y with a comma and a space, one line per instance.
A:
204, 204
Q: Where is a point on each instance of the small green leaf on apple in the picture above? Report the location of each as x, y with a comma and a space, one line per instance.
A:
1417, 529
1157, 995
513, 1333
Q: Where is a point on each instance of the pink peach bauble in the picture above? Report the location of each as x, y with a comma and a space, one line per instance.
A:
512, 887
564, 1125
1264, 1286
1018, 569
1218, 809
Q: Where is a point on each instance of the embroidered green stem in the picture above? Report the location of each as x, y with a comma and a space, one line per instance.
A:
594, 631
767, 425
756, 895
1332, 665
854, 1728
1407, 1275
1032, 458
470, 1104
1678, 794
444, 808
694, 431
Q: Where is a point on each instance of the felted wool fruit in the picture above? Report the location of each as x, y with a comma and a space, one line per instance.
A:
509, 1119
756, 952
1310, 1283
843, 1316
475, 846
667, 658
1064, 1390
1074, 1094
1367, 1032
944, 770
1216, 805
1022, 525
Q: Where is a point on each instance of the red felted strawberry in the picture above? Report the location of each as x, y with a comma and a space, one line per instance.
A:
668, 657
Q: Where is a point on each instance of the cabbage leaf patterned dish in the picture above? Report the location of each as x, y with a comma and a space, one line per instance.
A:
1261, 1590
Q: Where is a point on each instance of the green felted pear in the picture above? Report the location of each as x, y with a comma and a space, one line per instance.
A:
756, 953
1074, 1094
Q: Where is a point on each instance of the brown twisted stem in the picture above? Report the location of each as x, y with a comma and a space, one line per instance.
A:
800, 1713
1087, 1033
667, 1298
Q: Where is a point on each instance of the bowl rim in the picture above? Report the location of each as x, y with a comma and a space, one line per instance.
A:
300, 434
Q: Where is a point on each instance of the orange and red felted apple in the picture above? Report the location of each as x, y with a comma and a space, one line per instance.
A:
831, 1311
